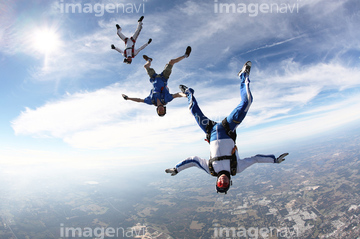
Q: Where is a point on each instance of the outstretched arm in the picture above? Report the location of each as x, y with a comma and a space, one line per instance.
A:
142, 47
259, 158
133, 99
193, 161
179, 94
117, 49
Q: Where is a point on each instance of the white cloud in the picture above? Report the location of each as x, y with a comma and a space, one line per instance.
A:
297, 88
289, 93
302, 126
103, 120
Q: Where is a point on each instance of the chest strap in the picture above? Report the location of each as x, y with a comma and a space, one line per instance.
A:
132, 52
233, 163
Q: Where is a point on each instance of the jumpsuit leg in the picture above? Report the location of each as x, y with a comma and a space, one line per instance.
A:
239, 113
137, 31
151, 72
200, 118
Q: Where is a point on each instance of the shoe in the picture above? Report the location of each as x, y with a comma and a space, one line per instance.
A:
246, 68
281, 158
149, 41
118, 27
183, 88
147, 58
141, 18
125, 96
112, 46
188, 51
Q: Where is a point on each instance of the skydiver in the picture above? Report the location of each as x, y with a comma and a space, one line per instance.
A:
159, 94
224, 160
130, 51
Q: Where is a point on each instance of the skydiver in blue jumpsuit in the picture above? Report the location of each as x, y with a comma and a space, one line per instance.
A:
224, 159
159, 94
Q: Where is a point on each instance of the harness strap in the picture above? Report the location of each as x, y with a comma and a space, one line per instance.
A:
232, 134
132, 48
208, 129
132, 51
233, 163
232, 157
225, 124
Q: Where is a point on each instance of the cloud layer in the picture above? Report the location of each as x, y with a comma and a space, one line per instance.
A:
305, 72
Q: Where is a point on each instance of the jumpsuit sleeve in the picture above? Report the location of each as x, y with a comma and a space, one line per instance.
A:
148, 101
168, 97
259, 158
193, 161
119, 50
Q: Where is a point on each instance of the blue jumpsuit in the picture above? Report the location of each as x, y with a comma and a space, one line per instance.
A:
220, 143
159, 91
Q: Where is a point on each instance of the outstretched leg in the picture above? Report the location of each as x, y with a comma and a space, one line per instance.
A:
138, 29
186, 55
200, 118
168, 67
151, 72
239, 113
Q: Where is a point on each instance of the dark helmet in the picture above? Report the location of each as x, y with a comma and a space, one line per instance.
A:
127, 60
223, 187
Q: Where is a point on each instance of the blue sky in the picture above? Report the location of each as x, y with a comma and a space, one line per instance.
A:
61, 84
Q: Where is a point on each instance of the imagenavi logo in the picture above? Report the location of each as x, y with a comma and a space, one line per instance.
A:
99, 9
253, 9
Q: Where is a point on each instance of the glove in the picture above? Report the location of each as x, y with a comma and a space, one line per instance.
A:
125, 97
281, 158
173, 171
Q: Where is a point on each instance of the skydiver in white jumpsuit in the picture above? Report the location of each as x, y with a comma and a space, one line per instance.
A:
130, 51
